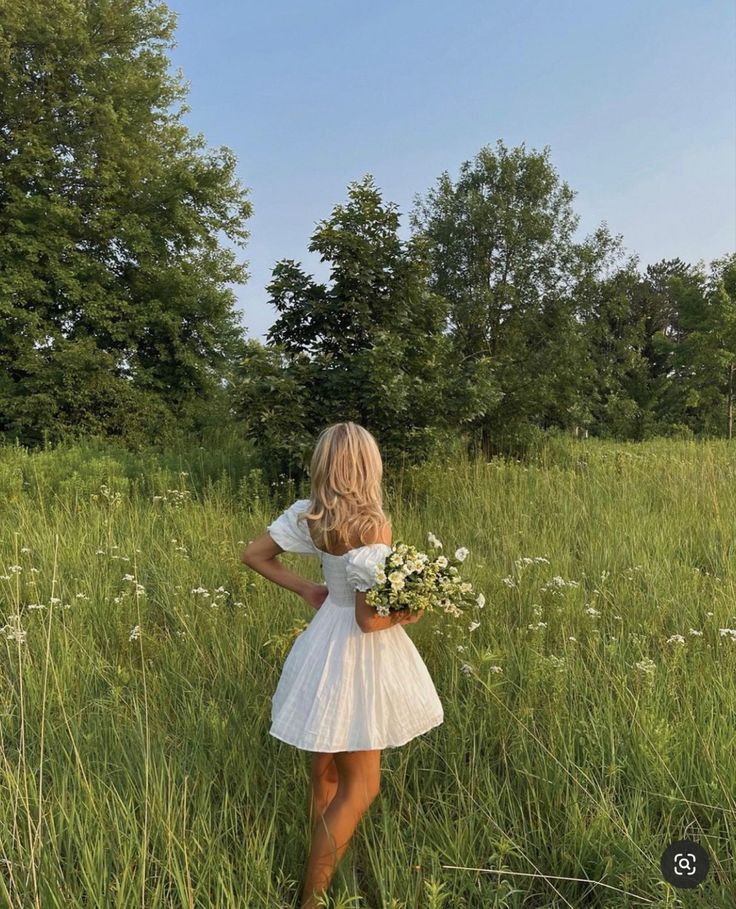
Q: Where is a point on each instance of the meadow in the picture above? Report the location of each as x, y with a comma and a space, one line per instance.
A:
589, 719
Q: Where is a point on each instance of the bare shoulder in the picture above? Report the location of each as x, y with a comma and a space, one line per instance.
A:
385, 534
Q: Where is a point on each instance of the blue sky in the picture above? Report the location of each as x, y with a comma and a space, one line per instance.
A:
637, 102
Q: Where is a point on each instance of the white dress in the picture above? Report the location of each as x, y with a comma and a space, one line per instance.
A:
343, 689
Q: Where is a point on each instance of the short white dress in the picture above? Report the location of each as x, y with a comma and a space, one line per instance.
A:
343, 689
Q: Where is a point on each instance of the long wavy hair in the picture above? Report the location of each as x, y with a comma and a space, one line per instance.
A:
346, 501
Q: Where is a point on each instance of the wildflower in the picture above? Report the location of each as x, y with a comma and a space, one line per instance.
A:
556, 662
433, 541
466, 668
536, 626
730, 632
676, 639
25, 549
135, 633
496, 669
509, 581
13, 630
473, 626
461, 554
481, 601
14, 568
573, 639
82, 596
695, 632
557, 583
646, 665
591, 610
128, 577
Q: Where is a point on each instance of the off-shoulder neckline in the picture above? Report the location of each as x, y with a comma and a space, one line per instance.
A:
334, 554
347, 551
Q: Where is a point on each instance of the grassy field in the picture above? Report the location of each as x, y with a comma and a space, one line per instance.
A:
589, 720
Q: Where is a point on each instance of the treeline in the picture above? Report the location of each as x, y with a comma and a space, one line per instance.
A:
491, 323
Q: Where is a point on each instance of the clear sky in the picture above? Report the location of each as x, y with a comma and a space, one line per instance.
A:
637, 101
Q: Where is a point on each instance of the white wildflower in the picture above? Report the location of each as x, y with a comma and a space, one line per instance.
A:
433, 541
462, 553
13, 630
473, 626
481, 601
135, 633
646, 665
556, 662
695, 632
676, 639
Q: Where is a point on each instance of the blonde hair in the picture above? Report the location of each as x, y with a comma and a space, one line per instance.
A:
346, 501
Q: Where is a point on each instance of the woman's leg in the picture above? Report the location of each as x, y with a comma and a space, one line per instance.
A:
359, 777
323, 786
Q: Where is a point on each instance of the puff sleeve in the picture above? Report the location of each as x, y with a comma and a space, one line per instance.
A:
362, 563
292, 535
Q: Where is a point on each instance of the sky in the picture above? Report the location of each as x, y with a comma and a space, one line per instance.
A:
636, 101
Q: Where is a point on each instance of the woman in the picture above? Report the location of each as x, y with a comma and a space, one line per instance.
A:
353, 683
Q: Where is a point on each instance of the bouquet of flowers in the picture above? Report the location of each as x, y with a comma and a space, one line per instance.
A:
413, 580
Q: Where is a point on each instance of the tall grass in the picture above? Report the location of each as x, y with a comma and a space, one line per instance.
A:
589, 720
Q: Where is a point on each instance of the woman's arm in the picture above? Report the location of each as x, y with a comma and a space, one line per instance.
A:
261, 555
369, 620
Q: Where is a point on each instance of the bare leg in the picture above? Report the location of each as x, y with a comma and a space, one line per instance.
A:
323, 785
359, 776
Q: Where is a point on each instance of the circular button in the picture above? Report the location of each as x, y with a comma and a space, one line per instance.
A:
684, 864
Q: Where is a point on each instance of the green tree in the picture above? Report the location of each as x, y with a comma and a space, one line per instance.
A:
501, 251
705, 357
115, 314
368, 345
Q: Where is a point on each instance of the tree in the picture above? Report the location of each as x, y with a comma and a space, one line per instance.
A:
114, 307
705, 357
369, 345
501, 252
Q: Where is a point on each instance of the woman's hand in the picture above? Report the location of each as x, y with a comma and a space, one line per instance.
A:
411, 617
315, 595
